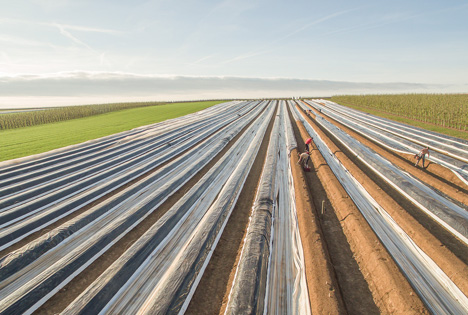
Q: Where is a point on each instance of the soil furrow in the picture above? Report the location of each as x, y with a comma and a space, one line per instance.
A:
390, 290
324, 291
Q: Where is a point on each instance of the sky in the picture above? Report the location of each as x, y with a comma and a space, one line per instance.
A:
72, 52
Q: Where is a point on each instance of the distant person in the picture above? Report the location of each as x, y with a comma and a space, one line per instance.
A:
304, 160
307, 144
421, 155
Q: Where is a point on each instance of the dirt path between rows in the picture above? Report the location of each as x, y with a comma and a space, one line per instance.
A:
353, 288
390, 290
212, 293
324, 292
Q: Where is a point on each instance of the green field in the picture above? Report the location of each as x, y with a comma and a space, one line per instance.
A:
20, 142
50, 115
443, 113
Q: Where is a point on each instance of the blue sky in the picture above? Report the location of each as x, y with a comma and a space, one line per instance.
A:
55, 52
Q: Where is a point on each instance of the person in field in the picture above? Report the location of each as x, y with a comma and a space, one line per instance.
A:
307, 144
421, 155
304, 160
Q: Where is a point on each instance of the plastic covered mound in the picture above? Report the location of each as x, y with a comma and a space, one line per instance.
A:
266, 270
447, 151
451, 215
435, 288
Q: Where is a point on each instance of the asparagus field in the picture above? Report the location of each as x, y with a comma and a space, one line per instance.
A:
214, 212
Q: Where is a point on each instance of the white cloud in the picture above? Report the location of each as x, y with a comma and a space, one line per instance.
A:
86, 29
203, 59
68, 35
74, 88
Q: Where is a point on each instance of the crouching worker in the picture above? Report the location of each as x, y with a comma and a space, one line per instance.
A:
421, 155
304, 160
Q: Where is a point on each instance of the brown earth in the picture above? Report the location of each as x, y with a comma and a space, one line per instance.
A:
436, 175
324, 294
391, 292
352, 285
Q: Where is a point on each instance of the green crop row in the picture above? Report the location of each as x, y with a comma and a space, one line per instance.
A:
46, 116
445, 110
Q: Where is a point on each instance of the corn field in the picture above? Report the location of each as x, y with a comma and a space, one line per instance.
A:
39, 117
446, 110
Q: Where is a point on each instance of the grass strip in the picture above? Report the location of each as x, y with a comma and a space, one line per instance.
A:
26, 141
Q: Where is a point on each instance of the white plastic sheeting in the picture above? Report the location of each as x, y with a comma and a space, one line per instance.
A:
447, 213
270, 277
23, 219
396, 143
445, 144
80, 169
30, 164
29, 180
174, 247
57, 235
435, 288
286, 291
446, 151
26, 286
